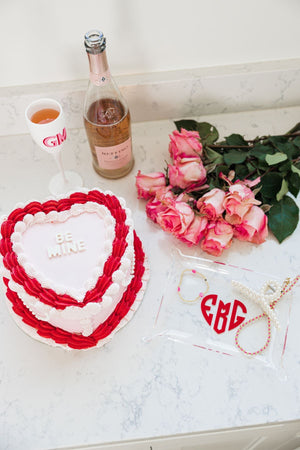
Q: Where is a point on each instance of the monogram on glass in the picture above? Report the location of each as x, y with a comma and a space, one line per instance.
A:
46, 123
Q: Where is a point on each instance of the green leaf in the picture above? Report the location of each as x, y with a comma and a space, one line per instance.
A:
234, 157
283, 190
277, 140
241, 171
295, 170
213, 156
188, 124
285, 167
208, 133
271, 185
283, 218
251, 165
235, 139
276, 158
210, 167
263, 166
260, 151
289, 149
294, 183
296, 141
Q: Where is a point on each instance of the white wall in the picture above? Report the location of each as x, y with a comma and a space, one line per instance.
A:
42, 40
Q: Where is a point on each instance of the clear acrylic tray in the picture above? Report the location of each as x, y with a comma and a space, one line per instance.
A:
201, 306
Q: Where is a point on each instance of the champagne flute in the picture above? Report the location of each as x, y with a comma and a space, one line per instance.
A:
46, 123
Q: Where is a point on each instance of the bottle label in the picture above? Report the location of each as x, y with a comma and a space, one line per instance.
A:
100, 79
114, 157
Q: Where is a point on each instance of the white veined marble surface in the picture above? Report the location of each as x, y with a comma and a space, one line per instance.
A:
173, 94
132, 389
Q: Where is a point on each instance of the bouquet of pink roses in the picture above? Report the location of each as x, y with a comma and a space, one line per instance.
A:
183, 204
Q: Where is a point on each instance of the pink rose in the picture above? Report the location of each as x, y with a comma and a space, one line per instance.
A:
218, 237
153, 208
147, 185
164, 197
176, 218
211, 203
183, 175
237, 202
254, 227
195, 232
184, 197
184, 144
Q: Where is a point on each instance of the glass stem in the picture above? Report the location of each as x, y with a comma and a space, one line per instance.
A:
57, 157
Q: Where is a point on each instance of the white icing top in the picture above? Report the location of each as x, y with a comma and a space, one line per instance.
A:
38, 234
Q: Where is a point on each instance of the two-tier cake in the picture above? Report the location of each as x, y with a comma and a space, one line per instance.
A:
74, 268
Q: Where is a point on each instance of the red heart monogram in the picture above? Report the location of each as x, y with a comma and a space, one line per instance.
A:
222, 316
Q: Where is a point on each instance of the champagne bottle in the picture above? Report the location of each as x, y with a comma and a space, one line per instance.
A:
106, 114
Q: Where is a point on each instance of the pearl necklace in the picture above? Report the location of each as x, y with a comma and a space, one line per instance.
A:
286, 287
263, 298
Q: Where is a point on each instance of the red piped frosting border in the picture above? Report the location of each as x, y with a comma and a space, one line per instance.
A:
31, 285
76, 341
55, 334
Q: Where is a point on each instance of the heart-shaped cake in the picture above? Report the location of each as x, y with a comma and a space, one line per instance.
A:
74, 268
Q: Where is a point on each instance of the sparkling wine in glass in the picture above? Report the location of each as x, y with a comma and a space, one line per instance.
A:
46, 123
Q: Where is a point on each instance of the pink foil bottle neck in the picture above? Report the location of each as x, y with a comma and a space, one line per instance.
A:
95, 44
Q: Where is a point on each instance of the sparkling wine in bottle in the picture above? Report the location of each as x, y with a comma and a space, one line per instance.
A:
106, 114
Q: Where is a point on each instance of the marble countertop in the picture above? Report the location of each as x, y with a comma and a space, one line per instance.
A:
131, 389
